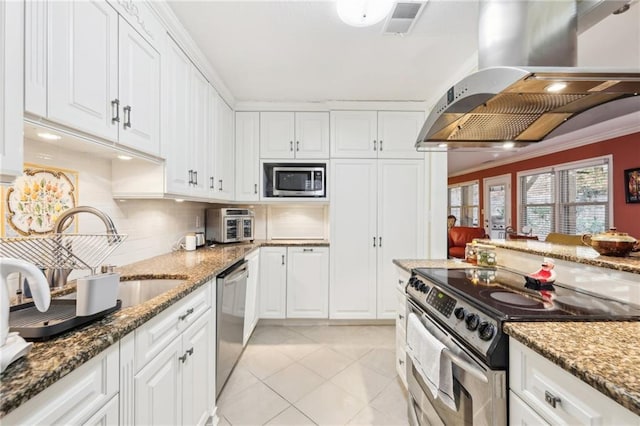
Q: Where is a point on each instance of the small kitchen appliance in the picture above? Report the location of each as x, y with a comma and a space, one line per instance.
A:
295, 180
465, 309
229, 225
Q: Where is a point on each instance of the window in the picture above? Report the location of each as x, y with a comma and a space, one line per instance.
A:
464, 201
571, 198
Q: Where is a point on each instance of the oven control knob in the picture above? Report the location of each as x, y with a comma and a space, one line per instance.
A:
422, 287
460, 312
472, 321
486, 330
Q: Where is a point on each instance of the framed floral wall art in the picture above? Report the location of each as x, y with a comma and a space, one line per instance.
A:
34, 202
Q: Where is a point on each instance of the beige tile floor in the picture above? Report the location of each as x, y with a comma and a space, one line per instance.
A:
316, 375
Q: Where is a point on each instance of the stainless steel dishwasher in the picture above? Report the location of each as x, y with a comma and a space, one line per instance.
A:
231, 289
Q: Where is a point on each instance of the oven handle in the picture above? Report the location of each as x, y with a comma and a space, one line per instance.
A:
469, 368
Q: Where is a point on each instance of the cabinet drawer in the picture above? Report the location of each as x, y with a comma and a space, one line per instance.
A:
157, 333
520, 414
76, 398
559, 397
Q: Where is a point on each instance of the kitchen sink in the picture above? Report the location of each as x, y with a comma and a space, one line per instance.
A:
133, 293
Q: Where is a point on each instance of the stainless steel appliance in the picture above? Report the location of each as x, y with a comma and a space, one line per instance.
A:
295, 180
465, 309
229, 225
231, 287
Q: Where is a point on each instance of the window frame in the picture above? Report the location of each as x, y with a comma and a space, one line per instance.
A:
555, 170
462, 205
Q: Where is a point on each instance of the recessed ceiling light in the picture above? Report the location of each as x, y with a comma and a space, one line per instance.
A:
179, 200
556, 87
508, 145
442, 145
49, 136
124, 157
363, 13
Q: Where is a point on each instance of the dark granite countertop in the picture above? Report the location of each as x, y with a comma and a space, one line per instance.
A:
605, 355
579, 254
51, 360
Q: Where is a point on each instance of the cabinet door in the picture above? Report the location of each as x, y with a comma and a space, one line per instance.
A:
354, 134
83, 66
277, 135
176, 109
107, 415
273, 282
520, 414
400, 224
224, 148
197, 371
158, 388
139, 82
35, 57
312, 135
247, 154
200, 143
307, 282
397, 133
11, 98
251, 312
353, 239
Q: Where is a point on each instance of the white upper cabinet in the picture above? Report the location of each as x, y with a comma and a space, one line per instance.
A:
375, 134
224, 149
247, 156
199, 144
397, 133
139, 91
299, 135
83, 67
11, 30
86, 68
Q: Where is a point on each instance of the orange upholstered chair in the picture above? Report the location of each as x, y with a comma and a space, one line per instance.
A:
459, 236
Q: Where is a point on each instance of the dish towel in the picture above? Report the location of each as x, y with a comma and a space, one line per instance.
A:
431, 361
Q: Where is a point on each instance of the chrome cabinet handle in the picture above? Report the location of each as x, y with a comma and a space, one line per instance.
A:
211, 183
400, 362
186, 314
195, 177
307, 250
400, 316
283, 259
127, 116
190, 177
551, 399
381, 145
400, 282
297, 145
220, 181
374, 241
375, 145
291, 146
183, 358
190, 351
115, 111
255, 188
379, 241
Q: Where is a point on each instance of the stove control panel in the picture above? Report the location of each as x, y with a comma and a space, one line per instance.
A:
442, 302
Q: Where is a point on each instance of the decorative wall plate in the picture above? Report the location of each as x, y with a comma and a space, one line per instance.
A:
36, 199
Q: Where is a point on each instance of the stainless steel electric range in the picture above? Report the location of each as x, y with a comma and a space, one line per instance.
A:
465, 310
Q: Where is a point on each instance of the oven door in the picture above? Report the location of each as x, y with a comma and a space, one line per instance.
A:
479, 392
232, 229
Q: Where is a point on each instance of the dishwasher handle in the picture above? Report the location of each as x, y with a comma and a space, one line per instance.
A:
232, 272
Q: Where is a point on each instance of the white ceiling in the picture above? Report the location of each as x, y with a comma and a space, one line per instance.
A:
300, 51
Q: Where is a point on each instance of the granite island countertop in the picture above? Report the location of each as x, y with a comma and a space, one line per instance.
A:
579, 254
605, 355
409, 264
51, 360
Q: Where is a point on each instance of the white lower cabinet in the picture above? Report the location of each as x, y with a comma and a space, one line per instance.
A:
307, 282
555, 395
520, 414
85, 396
252, 311
294, 282
401, 324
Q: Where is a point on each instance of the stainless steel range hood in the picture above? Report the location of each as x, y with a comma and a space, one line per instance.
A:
527, 89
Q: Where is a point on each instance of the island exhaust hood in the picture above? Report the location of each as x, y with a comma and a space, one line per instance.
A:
528, 89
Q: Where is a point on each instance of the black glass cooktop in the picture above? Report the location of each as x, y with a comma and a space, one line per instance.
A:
502, 294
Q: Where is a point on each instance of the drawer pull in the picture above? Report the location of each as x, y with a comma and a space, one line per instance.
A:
400, 316
189, 312
190, 351
551, 399
183, 358
400, 362
307, 250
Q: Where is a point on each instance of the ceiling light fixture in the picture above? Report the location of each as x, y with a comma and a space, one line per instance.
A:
49, 136
556, 87
363, 13
508, 145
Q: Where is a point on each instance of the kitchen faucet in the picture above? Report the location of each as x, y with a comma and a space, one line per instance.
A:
58, 277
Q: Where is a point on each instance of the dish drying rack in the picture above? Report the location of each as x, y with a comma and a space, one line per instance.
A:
62, 251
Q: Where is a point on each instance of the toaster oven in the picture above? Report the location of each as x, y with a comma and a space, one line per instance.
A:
229, 225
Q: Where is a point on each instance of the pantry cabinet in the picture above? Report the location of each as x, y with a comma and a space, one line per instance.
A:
103, 77
247, 156
377, 215
307, 282
288, 135
375, 134
11, 77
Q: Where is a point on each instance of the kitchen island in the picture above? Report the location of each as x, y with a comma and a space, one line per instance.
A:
51, 360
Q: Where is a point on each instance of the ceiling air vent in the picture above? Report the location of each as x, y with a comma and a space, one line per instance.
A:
403, 17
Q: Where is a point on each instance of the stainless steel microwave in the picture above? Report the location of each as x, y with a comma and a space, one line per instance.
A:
295, 180
229, 225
